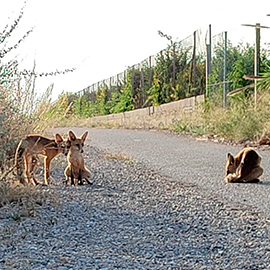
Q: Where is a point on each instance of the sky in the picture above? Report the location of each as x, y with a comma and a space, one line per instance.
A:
103, 38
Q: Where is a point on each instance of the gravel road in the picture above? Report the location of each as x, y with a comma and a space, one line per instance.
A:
158, 201
186, 160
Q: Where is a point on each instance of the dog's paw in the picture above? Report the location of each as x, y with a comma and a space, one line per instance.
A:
230, 178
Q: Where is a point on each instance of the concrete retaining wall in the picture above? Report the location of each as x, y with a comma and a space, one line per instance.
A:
161, 117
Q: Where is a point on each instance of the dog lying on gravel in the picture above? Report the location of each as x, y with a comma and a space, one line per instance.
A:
76, 169
244, 167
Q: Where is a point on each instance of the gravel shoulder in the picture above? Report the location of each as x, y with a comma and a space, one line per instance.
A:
184, 159
137, 215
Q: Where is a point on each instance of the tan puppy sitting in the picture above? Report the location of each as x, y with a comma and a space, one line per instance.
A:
76, 169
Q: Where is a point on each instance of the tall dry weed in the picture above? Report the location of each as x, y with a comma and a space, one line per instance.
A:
19, 201
19, 113
241, 120
14, 124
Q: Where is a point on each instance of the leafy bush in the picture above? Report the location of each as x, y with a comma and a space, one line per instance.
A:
124, 99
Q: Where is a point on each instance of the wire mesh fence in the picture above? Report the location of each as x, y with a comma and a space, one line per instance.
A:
199, 64
186, 57
217, 87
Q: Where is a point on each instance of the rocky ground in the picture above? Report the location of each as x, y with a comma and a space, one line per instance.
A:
132, 218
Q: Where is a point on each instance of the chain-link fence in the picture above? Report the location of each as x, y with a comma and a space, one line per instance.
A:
186, 57
199, 64
217, 84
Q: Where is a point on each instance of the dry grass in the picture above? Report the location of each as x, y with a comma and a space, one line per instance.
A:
240, 120
119, 157
19, 113
18, 201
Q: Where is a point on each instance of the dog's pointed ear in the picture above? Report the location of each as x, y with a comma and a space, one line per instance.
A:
72, 136
230, 158
84, 136
58, 138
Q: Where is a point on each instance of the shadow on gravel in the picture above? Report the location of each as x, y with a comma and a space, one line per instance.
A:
262, 183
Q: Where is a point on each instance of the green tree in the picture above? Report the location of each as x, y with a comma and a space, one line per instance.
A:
123, 100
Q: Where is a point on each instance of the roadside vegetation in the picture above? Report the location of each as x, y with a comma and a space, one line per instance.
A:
173, 78
243, 117
240, 121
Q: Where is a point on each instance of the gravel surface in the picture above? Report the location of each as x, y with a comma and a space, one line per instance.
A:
187, 160
139, 215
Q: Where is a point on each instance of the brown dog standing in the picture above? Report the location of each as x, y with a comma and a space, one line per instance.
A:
27, 152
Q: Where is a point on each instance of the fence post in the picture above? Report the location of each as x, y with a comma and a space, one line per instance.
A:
174, 68
132, 82
194, 59
150, 72
208, 60
192, 79
142, 85
225, 71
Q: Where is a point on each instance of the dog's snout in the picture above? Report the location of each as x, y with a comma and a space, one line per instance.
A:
82, 151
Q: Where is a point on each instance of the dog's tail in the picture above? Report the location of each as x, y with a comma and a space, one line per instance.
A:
19, 161
86, 175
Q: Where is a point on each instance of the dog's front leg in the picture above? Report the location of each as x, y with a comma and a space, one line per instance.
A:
47, 163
